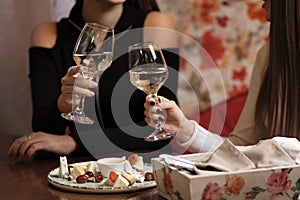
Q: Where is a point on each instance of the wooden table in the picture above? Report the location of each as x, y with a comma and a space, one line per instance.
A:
28, 180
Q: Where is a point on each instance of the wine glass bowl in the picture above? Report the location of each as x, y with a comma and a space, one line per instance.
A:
148, 78
148, 71
93, 52
94, 49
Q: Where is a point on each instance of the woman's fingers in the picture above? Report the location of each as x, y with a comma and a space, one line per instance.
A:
71, 95
14, 148
151, 100
164, 112
78, 82
82, 92
20, 146
25, 145
84, 83
73, 70
154, 115
74, 86
73, 77
59, 144
34, 148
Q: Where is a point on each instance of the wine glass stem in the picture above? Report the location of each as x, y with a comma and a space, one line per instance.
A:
80, 107
158, 127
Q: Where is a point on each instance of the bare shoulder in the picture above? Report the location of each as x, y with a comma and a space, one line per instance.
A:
44, 35
164, 32
159, 19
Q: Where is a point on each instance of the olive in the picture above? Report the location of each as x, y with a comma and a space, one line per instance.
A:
98, 178
70, 167
89, 173
82, 178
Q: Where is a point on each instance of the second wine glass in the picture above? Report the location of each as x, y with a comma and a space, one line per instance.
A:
148, 72
93, 52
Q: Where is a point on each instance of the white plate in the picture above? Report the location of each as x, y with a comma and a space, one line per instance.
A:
91, 187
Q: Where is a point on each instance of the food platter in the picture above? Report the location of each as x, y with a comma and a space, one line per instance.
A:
93, 187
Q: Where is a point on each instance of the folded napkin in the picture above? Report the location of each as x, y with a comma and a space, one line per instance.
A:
266, 153
226, 158
290, 145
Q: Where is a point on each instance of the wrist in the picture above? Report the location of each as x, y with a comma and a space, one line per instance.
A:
71, 144
186, 130
63, 107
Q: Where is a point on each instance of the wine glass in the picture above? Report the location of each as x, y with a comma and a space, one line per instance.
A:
93, 52
148, 72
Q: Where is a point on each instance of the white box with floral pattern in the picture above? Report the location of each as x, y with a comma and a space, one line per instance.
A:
263, 183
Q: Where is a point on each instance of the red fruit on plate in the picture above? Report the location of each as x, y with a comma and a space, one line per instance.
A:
149, 176
113, 176
82, 178
98, 178
89, 173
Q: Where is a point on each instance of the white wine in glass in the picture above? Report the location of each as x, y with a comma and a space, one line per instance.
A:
94, 53
148, 72
93, 64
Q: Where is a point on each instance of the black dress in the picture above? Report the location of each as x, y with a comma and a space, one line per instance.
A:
48, 66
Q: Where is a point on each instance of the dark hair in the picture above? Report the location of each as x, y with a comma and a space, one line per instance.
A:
150, 5
279, 97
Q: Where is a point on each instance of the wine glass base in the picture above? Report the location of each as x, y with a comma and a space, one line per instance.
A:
83, 119
158, 136
68, 116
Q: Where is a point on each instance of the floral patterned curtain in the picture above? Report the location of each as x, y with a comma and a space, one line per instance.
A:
231, 31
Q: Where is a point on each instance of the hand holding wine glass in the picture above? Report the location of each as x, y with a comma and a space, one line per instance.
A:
148, 72
93, 52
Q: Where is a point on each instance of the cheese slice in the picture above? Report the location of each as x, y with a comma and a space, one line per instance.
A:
130, 178
121, 182
77, 171
63, 167
91, 167
109, 182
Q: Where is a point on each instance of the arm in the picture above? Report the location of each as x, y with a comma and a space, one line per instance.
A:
51, 91
73, 85
161, 28
28, 145
45, 80
194, 137
44, 35
190, 135
50, 130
